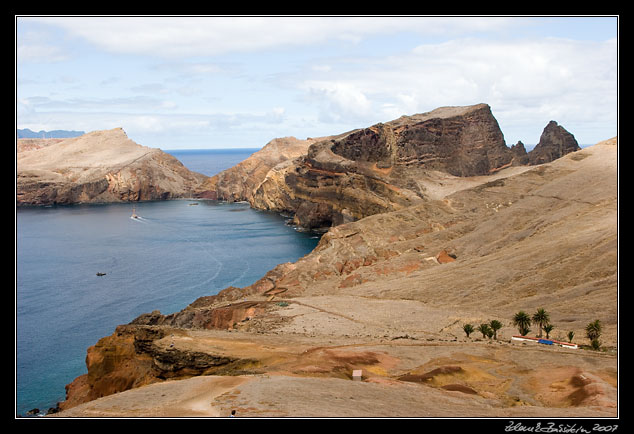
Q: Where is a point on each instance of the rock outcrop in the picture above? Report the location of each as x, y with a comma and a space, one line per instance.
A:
382, 168
102, 166
555, 142
135, 356
239, 182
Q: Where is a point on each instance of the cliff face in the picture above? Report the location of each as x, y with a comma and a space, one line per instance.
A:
135, 356
238, 182
382, 168
101, 166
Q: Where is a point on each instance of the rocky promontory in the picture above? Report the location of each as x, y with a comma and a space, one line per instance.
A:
240, 181
101, 166
394, 165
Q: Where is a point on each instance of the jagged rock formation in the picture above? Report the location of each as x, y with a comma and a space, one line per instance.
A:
389, 166
101, 166
519, 151
555, 142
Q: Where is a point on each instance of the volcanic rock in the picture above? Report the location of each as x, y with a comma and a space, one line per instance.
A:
382, 168
519, 152
555, 142
238, 182
102, 166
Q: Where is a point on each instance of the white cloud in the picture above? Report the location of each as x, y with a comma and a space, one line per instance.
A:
200, 36
338, 100
40, 53
526, 82
529, 82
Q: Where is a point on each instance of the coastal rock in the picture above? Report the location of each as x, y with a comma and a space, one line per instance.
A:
101, 166
555, 142
238, 182
138, 355
389, 166
381, 168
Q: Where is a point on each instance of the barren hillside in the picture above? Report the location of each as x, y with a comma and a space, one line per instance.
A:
388, 295
101, 166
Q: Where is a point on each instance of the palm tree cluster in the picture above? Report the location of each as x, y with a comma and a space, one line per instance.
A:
488, 330
541, 319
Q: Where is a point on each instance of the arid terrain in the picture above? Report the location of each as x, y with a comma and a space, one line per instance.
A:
388, 294
100, 166
429, 222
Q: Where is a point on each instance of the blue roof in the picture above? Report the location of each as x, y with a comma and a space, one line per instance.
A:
545, 341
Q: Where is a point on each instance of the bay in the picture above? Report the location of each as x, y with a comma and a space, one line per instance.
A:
176, 252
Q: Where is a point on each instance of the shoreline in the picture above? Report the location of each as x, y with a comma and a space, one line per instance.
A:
97, 208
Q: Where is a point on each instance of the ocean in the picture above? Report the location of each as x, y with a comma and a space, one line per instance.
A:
176, 252
211, 161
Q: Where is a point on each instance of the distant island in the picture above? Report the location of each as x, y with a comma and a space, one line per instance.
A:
55, 134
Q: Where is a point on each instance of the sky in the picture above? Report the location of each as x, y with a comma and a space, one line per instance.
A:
194, 82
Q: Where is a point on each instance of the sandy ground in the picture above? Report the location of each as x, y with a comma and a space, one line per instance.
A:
303, 376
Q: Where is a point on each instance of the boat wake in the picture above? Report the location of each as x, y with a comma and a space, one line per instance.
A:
139, 219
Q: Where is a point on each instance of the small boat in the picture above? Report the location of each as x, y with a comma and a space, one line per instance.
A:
101, 274
134, 216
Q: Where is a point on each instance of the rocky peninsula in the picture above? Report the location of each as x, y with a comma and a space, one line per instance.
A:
431, 223
97, 167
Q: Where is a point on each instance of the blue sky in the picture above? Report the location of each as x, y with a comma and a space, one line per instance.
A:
178, 82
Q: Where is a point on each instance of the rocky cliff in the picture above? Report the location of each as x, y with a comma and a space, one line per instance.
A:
101, 166
392, 166
240, 181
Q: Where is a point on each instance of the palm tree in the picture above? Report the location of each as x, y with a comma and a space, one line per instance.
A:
571, 335
468, 329
523, 322
495, 326
593, 330
541, 318
485, 330
548, 328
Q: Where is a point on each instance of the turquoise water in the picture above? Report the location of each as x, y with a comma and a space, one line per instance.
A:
174, 254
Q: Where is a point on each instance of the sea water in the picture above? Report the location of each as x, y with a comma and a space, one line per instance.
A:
174, 253
211, 161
